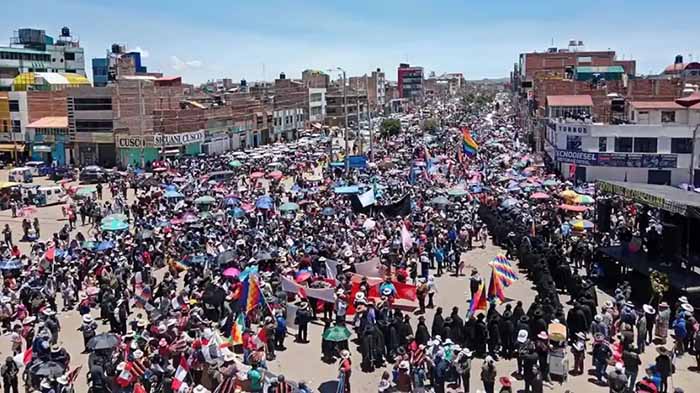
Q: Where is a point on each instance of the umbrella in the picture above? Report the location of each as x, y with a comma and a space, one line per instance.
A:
347, 190
235, 164
440, 201
205, 200
88, 245
264, 202
539, 195
336, 334
580, 225
237, 212
85, 192
226, 257
457, 192
105, 245
10, 264
550, 183
568, 194
231, 201
103, 341
189, 218
144, 234
276, 175
113, 226
573, 208
195, 260
510, 202
289, 207
173, 194
584, 199
328, 211
48, 369
231, 272
257, 175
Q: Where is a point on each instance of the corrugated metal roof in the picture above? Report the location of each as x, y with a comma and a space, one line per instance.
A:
655, 105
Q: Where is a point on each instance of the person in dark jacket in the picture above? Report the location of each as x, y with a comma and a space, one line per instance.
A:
664, 367
457, 327
480, 336
507, 331
438, 328
302, 320
494, 337
422, 334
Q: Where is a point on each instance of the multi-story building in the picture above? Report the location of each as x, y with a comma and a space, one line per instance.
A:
335, 109
31, 50
317, 104
315, 78
652, 145
118, 62
410, 82
374, 86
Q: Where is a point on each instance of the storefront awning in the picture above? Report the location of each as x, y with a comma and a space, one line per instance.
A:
11, 147
42, 149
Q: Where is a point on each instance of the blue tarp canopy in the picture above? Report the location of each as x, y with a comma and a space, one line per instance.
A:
347, 190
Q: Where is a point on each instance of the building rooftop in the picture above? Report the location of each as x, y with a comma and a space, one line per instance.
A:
570, 100
22, 81
659, 105
50, 122
21, 50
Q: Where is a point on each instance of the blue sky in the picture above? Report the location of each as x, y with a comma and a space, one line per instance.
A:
211, 39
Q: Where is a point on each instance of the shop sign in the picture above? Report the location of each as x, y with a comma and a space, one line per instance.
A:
168, 140
132, 142
626, 160
577, 157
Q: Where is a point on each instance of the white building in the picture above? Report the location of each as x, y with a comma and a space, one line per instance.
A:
286, 122
654, 146
317, 104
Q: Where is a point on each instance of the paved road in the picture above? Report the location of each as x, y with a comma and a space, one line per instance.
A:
303, 361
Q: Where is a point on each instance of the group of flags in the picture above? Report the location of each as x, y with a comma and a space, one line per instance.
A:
502, 276
469, 145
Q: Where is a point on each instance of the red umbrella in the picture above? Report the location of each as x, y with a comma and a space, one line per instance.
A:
256, 175
275, 175
176, 221
573, 208
50, 254
247, 207
539, 195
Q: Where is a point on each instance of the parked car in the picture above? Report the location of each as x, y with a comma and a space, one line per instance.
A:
61, 173
92, 174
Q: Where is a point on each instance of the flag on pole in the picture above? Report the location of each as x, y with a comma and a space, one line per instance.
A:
252, 295
496, 287
180, 374
478, 301
504, 270
469, 145
406, 238
237, 329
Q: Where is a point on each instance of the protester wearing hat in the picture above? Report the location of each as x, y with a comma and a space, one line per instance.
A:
663, 366
302, 319
663, 318
345, 368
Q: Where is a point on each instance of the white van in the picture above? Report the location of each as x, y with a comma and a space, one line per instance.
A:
21, 175
50, 195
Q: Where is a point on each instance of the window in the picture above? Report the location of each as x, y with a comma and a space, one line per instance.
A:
681, 145
602, 144
93, 104
93, 125
70, 56
623, 145
16, 126
668, 116
585, 59
645, 145
5, 126
14, 106
573, 143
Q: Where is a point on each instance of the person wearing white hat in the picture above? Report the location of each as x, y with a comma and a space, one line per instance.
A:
88, 327
345, 367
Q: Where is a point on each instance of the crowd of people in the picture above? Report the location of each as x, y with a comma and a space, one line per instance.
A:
194, 284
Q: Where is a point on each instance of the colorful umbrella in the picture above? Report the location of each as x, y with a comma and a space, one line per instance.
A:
257, 175
231, 272
568, 194
457, 192
573, 208
289, 207
336, 334
275, 175
539, 195
580, 225
205, 200
235, 164
303, 275
113, 226
237, 212
584, 199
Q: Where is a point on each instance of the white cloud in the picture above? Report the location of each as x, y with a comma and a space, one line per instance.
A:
144, 53
179, 64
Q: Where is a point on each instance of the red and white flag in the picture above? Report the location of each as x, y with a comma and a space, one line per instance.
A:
406, 238
180, 374
260, 339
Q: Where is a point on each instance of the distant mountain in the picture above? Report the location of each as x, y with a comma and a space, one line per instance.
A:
490, 81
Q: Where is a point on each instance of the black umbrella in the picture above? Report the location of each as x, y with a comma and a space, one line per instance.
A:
49, 369
226, 257
103, 341
213, 295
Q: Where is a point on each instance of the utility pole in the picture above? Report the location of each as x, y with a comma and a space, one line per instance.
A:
691, 170
369, 123
141, 115
359, 128
345, 110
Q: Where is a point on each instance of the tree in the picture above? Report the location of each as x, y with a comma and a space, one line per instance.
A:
390, 127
